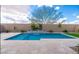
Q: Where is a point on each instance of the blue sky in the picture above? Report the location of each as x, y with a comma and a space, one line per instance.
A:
20, 13
70, 11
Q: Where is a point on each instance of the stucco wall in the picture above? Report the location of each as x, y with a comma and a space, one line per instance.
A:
15, 27
56, 28
46, 27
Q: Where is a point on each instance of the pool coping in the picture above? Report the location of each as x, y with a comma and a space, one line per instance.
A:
50, 38
70, 35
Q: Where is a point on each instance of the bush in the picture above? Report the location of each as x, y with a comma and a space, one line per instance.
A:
78, 30
59, 25
36, 26
22, 31
33, 26
7, 31
65, 31
78, 44
50, 31
40, 26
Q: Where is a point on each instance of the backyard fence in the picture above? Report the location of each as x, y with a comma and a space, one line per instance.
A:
45, 27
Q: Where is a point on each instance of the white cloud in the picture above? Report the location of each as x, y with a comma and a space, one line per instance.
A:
62, 20
17, 13
9, 15
45, 5
3, 20
75, 22
57, 8
77, 16
71, 22
50, 5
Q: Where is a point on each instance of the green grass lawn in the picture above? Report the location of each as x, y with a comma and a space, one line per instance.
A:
74, 34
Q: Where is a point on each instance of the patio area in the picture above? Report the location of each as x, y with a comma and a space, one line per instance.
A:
54, 46
16, 19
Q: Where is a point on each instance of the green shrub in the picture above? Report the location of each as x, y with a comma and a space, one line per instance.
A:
22, 31
33, 26
65, 31
78, 44
36, 26
7, 31
59, 25
14, 28
50, 31
78, 30
40, 26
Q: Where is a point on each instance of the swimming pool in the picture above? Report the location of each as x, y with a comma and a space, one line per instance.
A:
38, 36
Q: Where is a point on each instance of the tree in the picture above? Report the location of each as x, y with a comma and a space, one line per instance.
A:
60, 24
45, 14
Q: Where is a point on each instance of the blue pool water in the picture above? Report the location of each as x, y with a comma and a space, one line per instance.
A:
38, 36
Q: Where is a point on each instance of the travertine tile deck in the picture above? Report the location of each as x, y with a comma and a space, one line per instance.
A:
43, 46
